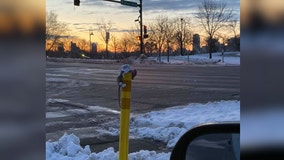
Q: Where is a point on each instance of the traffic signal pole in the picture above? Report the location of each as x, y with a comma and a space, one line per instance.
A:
141, 28
132, 4
113, 1
124, 81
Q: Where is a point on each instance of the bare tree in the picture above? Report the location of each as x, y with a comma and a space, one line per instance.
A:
213, 15
223, 36
54, 30
150, 47
132, 34
83, 44
160, 30
169, 35
183, 34
114, 44
125, 44
104, 29
234, 27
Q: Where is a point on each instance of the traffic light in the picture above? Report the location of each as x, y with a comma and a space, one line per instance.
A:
145, 30
76, 2
138, 38
107, 37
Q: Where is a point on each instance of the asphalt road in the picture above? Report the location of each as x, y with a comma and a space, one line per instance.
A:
154, 87
157, 86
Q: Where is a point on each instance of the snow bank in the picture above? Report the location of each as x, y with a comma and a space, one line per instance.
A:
230, 58
170, 124
68, 148
166, 125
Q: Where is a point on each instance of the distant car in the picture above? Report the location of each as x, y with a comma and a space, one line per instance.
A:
214, 141
84, 56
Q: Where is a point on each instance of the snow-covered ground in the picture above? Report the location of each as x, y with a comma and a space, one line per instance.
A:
230, 58
166, 125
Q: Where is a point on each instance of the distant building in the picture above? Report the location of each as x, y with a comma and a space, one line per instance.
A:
60, 48
196, 43
75, 51
94, 50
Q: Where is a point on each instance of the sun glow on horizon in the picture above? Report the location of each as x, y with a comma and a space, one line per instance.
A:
81, 19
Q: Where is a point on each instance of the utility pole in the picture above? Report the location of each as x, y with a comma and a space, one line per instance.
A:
141, 28
168, 50
91, 47
107, 39
181, 41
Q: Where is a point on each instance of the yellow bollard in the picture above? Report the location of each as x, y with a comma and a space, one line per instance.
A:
124, 116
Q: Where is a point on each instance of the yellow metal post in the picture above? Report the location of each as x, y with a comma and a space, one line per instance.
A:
124, 116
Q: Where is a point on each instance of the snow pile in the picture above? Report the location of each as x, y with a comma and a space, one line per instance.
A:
230, 58
170, 124
68, 148
167, 125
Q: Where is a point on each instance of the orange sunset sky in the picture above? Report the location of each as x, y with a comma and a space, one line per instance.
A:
81, 19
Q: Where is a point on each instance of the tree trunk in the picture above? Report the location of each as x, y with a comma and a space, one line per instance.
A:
210, 47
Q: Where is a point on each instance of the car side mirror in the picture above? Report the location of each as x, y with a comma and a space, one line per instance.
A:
209, 141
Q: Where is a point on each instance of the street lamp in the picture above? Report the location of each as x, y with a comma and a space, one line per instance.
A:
91, 47
223, 50
168, 50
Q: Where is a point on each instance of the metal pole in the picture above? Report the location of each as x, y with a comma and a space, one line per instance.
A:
90, 44
223, 47
141, 29
187, 56
124, 117
107, 39
113, 1
125, 82
91, 47
106, 50
168, 51
181, 46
